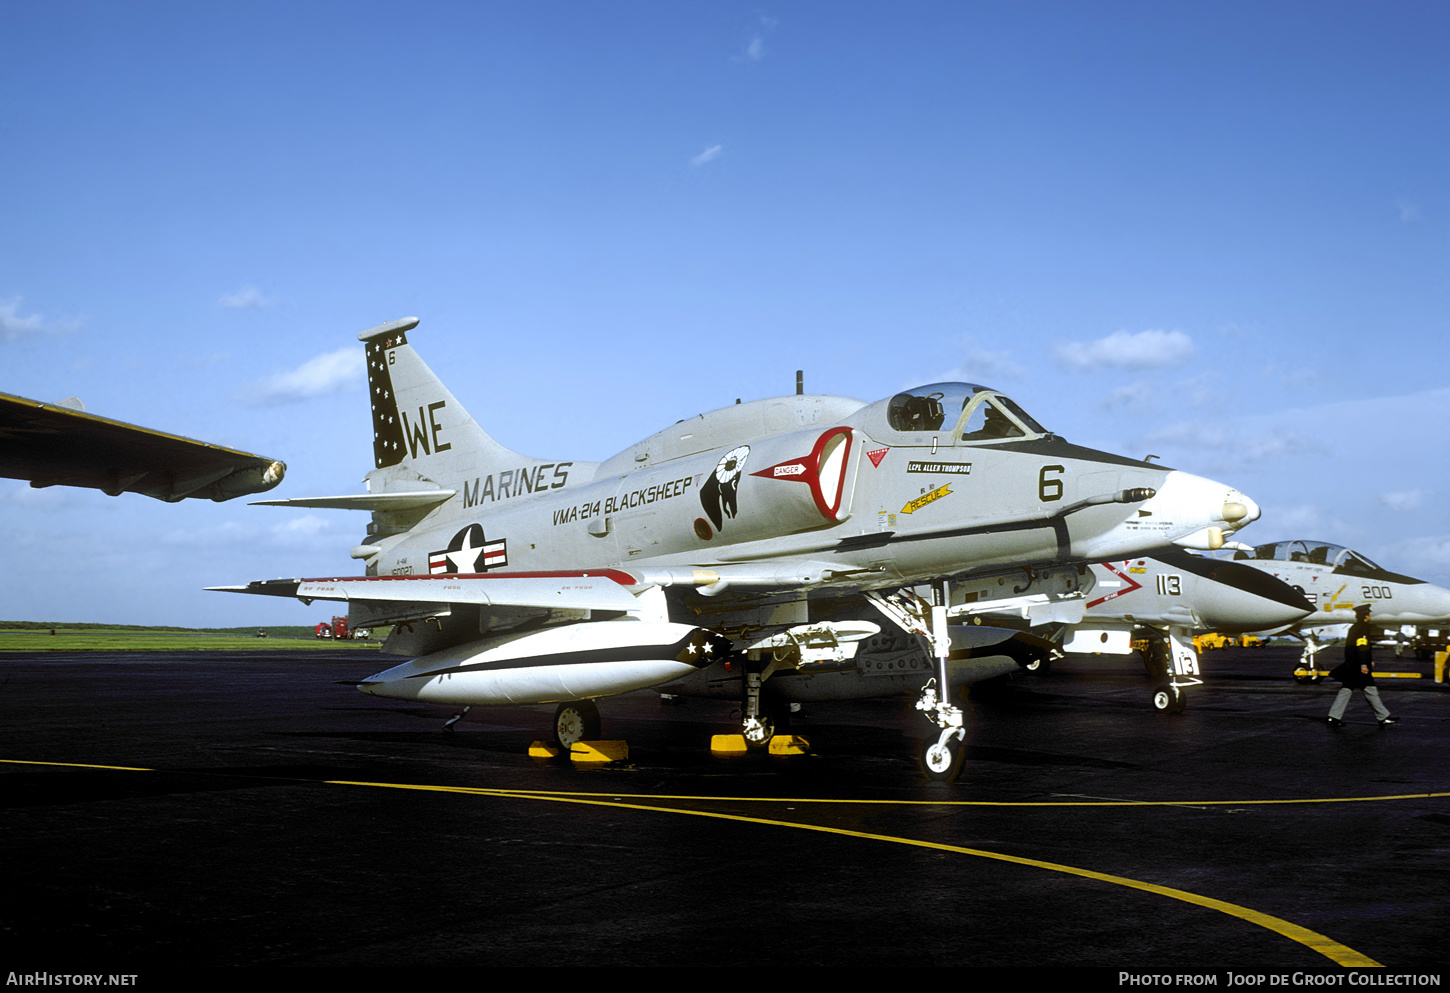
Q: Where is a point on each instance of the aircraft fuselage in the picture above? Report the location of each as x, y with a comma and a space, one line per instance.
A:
846, 501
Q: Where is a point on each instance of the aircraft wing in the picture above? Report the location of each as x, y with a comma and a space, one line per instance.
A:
51, 445
561, 590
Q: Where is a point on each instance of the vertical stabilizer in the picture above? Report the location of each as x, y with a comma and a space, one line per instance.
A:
422, 433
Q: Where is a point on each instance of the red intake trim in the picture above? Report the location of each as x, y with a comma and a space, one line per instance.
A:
1133, 584
835, 447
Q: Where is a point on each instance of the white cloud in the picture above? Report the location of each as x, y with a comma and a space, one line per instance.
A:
324, 374
44, 498
1425, 557
307, 524
1243, 454
310, 532
1144, 395
708, 155
755, 48
227, 533
1408, 210
1403, 500
247, 298
981, 366
1432, 551
1301, 521
1134, 396
15, 325
1127, 350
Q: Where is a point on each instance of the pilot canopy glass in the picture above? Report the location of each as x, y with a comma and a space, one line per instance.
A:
1315, 553
961, 413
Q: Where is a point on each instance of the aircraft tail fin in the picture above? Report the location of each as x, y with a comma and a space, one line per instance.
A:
421, 432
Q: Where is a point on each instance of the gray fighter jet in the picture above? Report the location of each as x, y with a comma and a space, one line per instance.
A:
751, 542
1335, 580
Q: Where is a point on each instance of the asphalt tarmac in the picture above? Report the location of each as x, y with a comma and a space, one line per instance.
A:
164, 813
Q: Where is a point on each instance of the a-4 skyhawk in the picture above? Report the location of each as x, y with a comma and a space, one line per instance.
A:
760, 539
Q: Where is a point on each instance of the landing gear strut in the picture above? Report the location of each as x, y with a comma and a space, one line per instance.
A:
941, 757
758, 719
1173, 664
1308, 671
941, 760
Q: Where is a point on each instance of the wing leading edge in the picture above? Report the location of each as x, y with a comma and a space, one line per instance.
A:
562, 590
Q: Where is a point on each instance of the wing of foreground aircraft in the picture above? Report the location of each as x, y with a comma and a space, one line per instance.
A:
53, 445
767, 551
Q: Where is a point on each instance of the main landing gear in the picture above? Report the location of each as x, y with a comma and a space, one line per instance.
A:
757, 731
762, 718
575, 721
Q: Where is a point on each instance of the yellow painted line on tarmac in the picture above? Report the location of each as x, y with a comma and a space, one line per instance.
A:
1378, 674
545, 794
1339, 954
80, 765
1328, 947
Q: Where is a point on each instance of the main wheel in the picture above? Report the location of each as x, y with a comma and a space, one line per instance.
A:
758, 733
576, 720
942, 763
1165, 701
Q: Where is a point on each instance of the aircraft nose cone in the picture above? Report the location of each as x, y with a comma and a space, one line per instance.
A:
1206, 510
1239, 510
1440, 605
1245, 599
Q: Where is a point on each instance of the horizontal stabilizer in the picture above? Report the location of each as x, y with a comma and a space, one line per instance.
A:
366, 501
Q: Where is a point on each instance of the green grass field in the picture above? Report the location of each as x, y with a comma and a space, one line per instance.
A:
31, 636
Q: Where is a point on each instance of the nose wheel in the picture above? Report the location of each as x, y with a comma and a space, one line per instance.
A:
1169, 700
941, 760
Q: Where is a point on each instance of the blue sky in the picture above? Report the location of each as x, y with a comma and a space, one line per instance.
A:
1214, 232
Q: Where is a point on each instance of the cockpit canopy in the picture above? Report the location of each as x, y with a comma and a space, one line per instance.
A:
1314, 552
961, 412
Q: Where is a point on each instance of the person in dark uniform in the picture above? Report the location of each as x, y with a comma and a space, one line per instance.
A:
1356, 672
